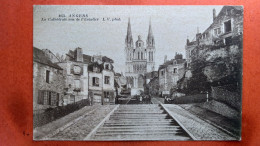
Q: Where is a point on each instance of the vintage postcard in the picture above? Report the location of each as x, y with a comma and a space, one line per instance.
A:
115, 73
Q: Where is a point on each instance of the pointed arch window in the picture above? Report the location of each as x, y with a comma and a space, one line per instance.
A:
138, 55
150, 56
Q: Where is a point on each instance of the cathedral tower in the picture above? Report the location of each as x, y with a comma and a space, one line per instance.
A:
150, 49
139, 58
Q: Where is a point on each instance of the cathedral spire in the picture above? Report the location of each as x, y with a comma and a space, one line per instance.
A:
129, 38
150, 38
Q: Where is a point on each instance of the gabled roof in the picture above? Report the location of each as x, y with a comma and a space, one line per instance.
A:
39, 56
223, 12
106, 59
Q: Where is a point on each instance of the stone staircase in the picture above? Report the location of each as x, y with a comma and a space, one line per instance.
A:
140, 122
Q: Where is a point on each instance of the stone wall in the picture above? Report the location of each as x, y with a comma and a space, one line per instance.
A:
56, 83
232, 99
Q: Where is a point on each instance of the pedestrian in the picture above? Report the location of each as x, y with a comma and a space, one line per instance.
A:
141, 99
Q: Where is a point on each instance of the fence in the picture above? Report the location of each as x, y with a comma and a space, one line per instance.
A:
56, 113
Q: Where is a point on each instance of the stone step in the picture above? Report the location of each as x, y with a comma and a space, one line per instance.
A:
107, 130
137, 124
139, 138
138, 118
137, 132
157, 108
136, 107
141, 123
144, 120
151, 136
141, 112
142, 127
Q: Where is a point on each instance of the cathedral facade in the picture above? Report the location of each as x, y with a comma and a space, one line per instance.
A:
139, 58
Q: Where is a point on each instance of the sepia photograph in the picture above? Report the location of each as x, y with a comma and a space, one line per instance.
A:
137, 73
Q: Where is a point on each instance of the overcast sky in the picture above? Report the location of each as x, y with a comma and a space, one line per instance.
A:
171, 26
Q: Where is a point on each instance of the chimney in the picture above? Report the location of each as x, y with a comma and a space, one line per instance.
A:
79, 55
198, 35
188, 41
214, 14
165, 58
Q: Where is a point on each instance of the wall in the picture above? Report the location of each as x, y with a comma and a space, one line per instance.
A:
230, 98
56, 83
70, 78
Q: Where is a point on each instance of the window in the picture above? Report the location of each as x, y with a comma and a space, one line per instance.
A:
162, 72
175, 70
138, 55
47, 76
142, 55
151, 56
77, 83
95, 81
107, 80
227, 26
106, 94
107, 66
217, 31
139, 44
48, 98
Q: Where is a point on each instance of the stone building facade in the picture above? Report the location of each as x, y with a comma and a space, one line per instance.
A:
139, 59
48, 82
169, 74
101, 80
225, 27
75, 71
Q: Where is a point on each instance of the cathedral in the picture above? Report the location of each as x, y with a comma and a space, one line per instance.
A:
139, 59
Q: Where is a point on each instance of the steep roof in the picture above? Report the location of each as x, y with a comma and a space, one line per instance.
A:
86, 58
106, 59
39, 56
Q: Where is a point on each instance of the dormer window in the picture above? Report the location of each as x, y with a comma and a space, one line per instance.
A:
96, 69
107, 66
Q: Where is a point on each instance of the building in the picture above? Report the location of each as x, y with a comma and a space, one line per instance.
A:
75, 71
121, 82
139, 59
170, 72
226, 26
48, 82
151, 83
101, 80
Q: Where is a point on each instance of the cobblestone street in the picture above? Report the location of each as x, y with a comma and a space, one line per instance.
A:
74, 126
199, 128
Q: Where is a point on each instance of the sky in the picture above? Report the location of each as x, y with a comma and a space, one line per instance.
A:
171, 26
